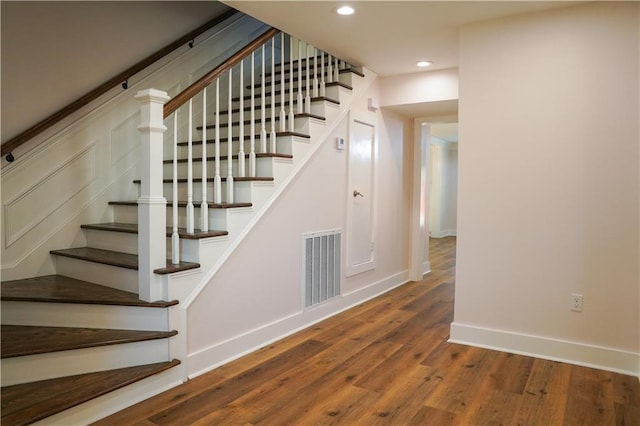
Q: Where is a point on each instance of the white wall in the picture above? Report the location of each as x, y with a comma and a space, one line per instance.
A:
257, 294
548, 190
429, 86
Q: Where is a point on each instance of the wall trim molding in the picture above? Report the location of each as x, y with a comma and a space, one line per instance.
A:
207, 359
577, 353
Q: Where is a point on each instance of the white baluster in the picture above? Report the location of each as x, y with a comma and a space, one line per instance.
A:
175, 237
204, 207
217, 180
307, 98
336, 71
263, 128
230, 144
241, 156
190, 208
315, 72
291, 114
299, 103
252, 130
322, 82
330, 69
283, 89
273, 95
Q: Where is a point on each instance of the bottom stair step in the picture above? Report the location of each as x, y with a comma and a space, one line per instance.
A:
27, 403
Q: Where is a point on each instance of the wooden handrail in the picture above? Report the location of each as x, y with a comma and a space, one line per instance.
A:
188, 93
33, 131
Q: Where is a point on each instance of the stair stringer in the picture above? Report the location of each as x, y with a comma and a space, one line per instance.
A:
213, 253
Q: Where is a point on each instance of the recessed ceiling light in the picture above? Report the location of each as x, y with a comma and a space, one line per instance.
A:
345, 10
423, 64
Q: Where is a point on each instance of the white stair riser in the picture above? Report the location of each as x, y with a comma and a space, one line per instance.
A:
263, 167
217, 217
32, 368
128, 243
241, 191
110, 276
283, 146
300, 125
345, 78
123, 242
84, 315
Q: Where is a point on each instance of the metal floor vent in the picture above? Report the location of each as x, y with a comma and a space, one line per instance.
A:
322, 266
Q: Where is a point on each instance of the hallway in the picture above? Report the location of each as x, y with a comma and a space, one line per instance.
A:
387, 361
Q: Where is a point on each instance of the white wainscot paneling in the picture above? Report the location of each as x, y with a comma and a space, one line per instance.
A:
28, 209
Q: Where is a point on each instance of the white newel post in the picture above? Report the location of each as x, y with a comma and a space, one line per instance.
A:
152, 215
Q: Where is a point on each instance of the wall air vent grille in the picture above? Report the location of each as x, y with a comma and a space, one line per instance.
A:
322, 266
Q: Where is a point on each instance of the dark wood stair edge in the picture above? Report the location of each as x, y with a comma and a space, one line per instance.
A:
132, 228
267, 120
225, 157
319, 71
56, 402
61, 289
107, 337
118, 259
247, 138
277, 105
279, 92
184, 204
297, 79
222, 178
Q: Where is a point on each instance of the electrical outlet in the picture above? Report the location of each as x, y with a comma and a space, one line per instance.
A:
576, 302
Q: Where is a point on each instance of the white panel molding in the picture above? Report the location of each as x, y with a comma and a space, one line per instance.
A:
75, 183
207, 359
123, 137
577, 353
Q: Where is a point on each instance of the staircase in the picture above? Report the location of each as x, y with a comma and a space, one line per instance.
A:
83, 343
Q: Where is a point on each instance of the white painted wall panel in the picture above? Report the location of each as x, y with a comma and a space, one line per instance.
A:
549, 171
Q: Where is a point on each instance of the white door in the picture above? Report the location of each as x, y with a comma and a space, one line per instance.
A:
361, 198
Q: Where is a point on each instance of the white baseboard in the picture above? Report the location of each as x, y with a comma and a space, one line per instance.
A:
426, 268
603, 358
443, 233
221, 353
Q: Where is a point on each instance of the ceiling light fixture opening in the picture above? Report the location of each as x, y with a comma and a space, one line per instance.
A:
345, 10
423, 64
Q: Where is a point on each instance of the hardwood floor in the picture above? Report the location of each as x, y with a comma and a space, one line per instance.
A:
387, 362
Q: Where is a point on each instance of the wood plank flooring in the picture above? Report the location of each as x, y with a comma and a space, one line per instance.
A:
387, 362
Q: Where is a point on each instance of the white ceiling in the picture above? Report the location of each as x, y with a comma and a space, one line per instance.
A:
388, 37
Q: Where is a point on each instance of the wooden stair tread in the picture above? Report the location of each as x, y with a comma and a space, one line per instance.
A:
246, 138
267, 119
61, 289
116, 258
278, 93
296, 79
184, 204
235, 157
132, 228
277, 105
22, 340
222, 178
29, 402
319, 73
